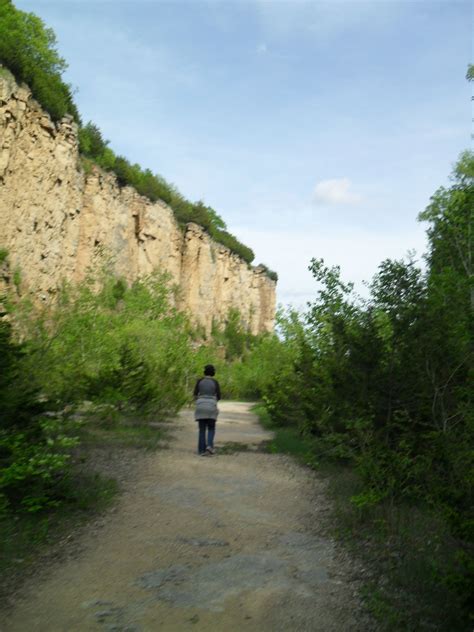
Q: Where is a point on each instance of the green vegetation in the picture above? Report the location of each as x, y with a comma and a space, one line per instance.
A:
111, 344
123, 348
271, 274
98, 366
24, 536
17, 278
28, 50
286, 439
383, 388
153, 186
97, 371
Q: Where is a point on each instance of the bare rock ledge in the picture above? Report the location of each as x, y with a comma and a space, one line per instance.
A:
56, 220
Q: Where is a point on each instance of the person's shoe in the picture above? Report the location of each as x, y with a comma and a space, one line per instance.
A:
210, 450
204, 453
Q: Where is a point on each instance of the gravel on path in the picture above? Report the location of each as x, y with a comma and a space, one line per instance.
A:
224, 543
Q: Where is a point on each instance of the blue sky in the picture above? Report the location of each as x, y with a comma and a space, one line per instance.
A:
316, 129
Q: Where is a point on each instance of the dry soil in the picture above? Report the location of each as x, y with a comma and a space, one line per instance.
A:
230, 542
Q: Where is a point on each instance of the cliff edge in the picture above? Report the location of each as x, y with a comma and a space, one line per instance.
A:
56, 219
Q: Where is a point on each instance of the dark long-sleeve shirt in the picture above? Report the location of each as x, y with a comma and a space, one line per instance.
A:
207, 386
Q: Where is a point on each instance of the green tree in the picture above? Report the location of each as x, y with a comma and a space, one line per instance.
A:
216, 219
470, 72
19, 401
91, 141
28, 49
450, 232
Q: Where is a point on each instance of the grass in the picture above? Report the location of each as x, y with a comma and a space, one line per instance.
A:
413, 564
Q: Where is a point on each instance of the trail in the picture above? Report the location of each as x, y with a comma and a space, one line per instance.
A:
224, 543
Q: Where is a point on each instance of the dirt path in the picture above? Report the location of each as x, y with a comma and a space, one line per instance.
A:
225, 543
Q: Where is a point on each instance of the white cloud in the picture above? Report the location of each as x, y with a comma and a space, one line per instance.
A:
335, 191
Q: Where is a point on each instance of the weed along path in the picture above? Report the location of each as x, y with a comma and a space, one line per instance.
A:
223, 543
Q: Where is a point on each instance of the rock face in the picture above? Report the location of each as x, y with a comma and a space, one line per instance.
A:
57, 220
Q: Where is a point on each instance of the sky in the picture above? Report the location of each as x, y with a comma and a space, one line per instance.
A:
315, 129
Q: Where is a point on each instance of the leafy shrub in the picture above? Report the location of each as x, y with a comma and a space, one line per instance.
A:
231, 242
271, 274
385, 383
153, 186
19, 395
28, 49
32, 450
31, 467
121, 346
113, 343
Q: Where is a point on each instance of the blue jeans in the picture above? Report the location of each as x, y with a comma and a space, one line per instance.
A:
210, 425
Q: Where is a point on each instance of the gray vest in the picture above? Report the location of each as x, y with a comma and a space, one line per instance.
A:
206, 402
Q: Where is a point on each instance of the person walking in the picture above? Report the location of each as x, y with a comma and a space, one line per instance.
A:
207, 392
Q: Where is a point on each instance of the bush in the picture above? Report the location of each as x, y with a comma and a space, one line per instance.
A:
19, 394
385, 383
271, 274
32, 466
32, 449
28, 49
105, 341
93, 146
231, 242
113, 343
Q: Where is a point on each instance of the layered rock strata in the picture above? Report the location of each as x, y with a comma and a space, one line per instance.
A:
56, 221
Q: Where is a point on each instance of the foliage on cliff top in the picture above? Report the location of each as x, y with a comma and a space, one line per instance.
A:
271, 274
153, 186
28, 49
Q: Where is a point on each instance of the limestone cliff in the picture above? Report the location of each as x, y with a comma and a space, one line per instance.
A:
56, 219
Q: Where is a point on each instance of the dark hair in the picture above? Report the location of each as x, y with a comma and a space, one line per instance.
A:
209, 370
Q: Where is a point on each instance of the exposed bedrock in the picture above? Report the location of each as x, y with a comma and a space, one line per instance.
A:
57, 221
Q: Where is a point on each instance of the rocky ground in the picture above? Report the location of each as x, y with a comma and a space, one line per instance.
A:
234, 541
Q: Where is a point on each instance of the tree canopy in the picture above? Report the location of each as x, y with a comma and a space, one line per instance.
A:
28, 49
